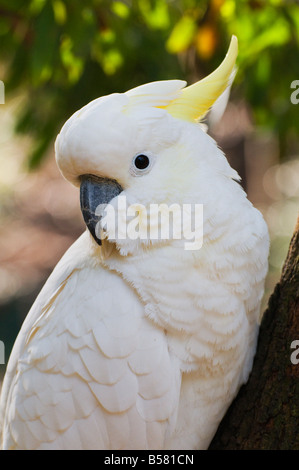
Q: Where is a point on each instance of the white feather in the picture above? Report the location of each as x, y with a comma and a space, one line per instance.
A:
142, 345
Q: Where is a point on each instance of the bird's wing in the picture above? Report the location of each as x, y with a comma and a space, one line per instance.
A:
88, 370
59, 274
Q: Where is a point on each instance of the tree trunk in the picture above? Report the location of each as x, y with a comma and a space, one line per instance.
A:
265, 414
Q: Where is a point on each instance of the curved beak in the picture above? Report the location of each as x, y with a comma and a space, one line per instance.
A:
95, 191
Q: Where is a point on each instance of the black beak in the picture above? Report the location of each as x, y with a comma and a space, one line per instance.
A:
93, 192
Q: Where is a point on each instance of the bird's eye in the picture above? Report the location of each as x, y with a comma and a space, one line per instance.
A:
141, 164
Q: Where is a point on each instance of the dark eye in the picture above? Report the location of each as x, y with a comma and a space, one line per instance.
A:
141, 162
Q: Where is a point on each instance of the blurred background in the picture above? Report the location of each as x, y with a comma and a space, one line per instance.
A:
57, 55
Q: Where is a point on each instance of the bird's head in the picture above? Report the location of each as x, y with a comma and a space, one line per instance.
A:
143, 148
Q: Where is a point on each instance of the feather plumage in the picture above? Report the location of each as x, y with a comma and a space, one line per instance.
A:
141, 344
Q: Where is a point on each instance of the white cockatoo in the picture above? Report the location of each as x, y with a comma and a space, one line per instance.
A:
135, 342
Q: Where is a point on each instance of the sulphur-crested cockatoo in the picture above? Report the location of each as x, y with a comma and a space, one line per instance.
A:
142, 342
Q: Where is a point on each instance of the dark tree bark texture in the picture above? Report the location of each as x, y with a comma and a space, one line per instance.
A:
265, 414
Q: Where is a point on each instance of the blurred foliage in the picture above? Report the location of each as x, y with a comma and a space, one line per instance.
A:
64, 53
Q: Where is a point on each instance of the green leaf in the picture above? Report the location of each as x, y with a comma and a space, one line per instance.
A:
45, 39
156, 17
60, 12
120, 9
275, 35
182, 35
36, 6
73, 64
112, 61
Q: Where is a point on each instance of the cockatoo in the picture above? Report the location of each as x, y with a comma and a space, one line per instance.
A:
140, 343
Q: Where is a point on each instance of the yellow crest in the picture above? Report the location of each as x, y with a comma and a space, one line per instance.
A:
196, 100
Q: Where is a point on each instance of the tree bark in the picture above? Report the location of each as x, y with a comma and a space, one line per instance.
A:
265, 413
